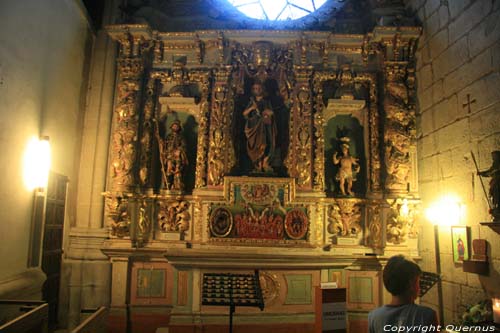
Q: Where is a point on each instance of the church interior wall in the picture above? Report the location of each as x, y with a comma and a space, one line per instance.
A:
86, 271
458, 61
43, 76
41, 79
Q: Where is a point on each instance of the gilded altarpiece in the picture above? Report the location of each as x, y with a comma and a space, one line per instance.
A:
334, 188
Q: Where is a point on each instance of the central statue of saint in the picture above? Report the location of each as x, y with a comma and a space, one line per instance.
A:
260, 130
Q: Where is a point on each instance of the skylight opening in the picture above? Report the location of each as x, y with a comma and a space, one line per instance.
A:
277, 10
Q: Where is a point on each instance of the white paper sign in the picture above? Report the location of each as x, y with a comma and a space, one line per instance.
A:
334, 316
329, 285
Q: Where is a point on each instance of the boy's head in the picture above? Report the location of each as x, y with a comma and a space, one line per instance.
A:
401, 277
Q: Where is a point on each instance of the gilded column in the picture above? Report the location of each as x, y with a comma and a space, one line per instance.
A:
374, 135
221, 156
319, 139
399, 112
130, 66
203, 137
399, 129
146, 137
124, 176
300, 158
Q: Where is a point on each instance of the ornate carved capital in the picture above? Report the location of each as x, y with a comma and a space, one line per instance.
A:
394, 43
402, 220
117, 215
134, 39
173, 216
344, 217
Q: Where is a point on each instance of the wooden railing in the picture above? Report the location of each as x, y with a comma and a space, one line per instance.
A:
96, 323
34, 320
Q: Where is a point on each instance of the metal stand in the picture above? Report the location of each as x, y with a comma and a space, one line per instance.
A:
232, 308
225, 289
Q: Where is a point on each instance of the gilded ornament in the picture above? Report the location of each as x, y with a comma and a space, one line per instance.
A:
374, 226
269, 286
173, 216
143, 223
118, 216
216, 165
402, 220
221, 222
344, 217
296, 224
399, 133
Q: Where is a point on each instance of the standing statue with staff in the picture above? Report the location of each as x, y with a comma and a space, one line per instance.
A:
494, 191
173, 157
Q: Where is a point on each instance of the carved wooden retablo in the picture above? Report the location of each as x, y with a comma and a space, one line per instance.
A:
275, 138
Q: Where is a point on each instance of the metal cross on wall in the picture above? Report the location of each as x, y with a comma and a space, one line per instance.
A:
469, 102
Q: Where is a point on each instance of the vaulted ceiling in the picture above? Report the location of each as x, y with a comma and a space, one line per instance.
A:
343, 16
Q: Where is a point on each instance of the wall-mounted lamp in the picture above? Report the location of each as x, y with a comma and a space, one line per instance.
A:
37, 163
447, 211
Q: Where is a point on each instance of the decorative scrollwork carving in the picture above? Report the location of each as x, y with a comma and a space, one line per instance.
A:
143, 223
221, 222
118, 216
125, 135
300, 159
221, 149
146, 140
173, 216
344, 217
216, 166
374, 226
399, 131
402, 220
270, 287
203, 138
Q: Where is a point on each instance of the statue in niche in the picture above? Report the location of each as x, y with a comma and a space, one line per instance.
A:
173, 158
348, 169
260, 130
263, 72
494, 192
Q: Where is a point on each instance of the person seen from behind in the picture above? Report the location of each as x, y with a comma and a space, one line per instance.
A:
402, 279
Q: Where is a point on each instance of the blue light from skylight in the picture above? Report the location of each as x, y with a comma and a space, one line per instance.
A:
277, 10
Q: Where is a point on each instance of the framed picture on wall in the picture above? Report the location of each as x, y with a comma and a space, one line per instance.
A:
460, 241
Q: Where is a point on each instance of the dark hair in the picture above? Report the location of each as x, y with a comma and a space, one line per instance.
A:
399, 273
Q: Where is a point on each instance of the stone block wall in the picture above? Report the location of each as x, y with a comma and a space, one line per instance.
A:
458, 63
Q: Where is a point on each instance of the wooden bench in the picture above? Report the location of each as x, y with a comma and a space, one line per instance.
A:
33, 320
96, 323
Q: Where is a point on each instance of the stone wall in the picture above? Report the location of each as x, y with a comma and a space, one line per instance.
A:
41, 78
86, 271
458, 62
